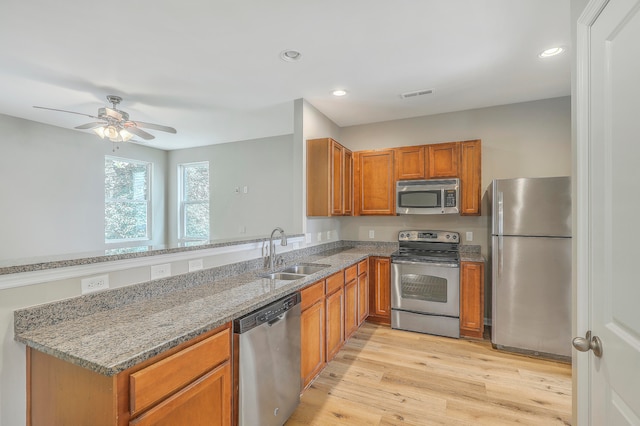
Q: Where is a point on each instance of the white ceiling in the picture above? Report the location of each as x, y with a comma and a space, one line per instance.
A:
211, 68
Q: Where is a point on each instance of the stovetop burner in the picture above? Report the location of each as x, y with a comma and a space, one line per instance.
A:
428, 246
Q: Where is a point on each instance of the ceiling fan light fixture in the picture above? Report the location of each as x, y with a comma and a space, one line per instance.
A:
125, 135
111, 132
99, 131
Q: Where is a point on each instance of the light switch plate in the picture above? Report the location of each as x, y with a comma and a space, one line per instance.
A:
372, 233
469, 236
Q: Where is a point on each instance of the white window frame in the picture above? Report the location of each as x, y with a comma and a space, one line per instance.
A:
182, 203
149, 167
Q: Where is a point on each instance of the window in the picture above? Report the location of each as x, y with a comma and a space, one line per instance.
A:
126, 200
194, 201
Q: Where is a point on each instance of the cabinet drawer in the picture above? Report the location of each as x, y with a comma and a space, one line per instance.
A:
363, 267
155, 382
350, 273
335, 282
311, 294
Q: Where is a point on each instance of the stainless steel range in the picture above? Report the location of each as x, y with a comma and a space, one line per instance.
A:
425, 283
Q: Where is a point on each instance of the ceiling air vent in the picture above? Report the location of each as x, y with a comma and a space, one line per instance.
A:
415, 93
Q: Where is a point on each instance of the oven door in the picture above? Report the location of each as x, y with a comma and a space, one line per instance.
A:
429, 288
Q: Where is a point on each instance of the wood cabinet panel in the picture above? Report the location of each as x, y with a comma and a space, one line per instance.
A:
312, 355
337, 180
155, 382
329, 178
335, 323
380, 290
350, 307
374, 183
410, 162
350, 273
312, 294
363, 296
203, 403
443, 160
335, 282
347, 183
470, 177
472, 299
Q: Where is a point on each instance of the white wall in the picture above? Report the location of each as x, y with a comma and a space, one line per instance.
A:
263, 165
52, 189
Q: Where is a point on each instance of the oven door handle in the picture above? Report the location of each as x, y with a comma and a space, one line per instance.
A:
409, 262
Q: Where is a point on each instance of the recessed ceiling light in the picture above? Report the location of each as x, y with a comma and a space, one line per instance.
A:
550, 52
290, 55
339, 92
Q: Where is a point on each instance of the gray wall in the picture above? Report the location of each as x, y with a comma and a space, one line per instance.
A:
52, 189
519, 140
263, 165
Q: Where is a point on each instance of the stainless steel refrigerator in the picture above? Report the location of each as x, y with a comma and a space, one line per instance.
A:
531, 265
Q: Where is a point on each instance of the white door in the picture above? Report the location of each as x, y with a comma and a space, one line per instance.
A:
608, 211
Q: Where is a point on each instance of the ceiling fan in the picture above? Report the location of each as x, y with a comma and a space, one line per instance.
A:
115, 125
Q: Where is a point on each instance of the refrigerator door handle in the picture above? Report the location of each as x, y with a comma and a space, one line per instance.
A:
500, 257
500, 215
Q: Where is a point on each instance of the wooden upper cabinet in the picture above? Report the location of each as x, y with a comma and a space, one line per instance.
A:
443, 160
347, 186
470, 177
410, 162
329, 178
374, 183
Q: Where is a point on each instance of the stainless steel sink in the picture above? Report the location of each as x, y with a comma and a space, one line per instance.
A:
305, 268
283, 276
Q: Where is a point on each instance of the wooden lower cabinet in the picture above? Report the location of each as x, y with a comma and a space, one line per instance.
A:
363, 291
380, 290
187, 385
312, 339
472, 299
351, 316
335, 322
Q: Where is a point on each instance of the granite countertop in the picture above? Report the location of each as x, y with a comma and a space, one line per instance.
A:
109, 336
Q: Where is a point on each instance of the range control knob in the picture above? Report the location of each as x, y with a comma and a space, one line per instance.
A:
448, 236
455, 237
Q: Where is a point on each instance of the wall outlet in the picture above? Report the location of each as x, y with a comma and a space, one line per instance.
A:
91, 284
237, 190
160, 271
242, 229
245, 189
469, 236
195, 265
328, 235
307, 238
319, 236
372, 233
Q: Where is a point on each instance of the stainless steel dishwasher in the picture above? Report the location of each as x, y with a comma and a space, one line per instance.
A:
269, 363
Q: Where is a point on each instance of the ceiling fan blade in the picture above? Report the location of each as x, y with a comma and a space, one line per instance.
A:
70, 112
155, 127
139, 132
90, 125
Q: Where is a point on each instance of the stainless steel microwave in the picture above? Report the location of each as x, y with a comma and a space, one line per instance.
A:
432, 196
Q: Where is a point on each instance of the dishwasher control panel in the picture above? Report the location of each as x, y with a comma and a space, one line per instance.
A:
266, 313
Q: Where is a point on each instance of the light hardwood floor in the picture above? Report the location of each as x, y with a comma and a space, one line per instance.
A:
391, 377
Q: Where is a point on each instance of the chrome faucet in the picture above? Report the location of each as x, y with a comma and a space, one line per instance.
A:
272, 246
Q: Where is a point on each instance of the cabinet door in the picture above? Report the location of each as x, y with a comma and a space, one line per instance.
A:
410, 162
443, 160
375, 184
350, 308
363, 297
205, 402
337, 154
380, 290
347, 183
335, 322
471, 299
312, 344
470, 177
